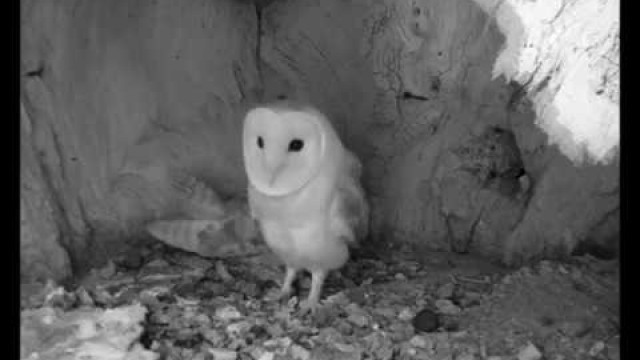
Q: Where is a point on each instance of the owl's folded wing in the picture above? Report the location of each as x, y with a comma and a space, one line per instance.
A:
350, 214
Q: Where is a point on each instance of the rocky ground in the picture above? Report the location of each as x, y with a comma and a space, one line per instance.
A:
161, 303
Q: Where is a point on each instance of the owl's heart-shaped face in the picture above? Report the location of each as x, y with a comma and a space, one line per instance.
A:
283, 149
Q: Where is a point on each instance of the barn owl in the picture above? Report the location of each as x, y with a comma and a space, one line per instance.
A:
304, 191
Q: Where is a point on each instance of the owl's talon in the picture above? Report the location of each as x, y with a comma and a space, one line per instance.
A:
308, 307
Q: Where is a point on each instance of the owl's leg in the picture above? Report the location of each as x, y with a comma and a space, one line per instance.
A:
286, 289
313, 300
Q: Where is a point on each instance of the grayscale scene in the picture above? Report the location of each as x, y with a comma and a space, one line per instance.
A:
317, 180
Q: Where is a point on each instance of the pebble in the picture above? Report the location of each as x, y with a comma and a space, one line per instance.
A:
530, 352
357, 315
445, 291
238, 328
84, 297
299, 353
358, 320
400, 277
283, 342
426, 321
223, 354
596, 348
421, 342
267, 356
575, 328
447, 307
406, 314
213, 336
227, 313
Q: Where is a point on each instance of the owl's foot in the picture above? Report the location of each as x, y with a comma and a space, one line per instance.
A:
286, 290
311, 304
308, 307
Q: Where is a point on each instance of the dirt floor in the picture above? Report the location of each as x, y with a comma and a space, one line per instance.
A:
169, 304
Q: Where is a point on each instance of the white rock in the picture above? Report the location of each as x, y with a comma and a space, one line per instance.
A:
529, 352
447, 307
223, 354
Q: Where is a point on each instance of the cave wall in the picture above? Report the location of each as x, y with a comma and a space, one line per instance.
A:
454, 156
120, 96
118, 93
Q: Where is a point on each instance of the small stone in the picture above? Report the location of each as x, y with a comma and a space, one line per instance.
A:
400, 277
357, 315
228, 313
421, 342
575, 328
343, 298
84, 298
215, 337
470, 299
344, 327
202, 319
267, 356
596, 348
426, 321
360, 320
400, 331
238, 328
299, 353
447, 307
223, 354
529, 352
446, 291
346, 348
59, 298
406, 314
278, 343
381, 346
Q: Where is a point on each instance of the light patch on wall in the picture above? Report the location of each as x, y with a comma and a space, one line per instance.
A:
571, 47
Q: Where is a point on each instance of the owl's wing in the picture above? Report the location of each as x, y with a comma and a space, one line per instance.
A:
253, 203
350, 212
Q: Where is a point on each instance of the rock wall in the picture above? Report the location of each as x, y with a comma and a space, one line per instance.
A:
118, 94
122, 95
453, 156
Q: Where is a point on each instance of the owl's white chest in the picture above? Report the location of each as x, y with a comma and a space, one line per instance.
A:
297, 228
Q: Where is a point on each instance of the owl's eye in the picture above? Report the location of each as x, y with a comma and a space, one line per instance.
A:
296, 145
260, 142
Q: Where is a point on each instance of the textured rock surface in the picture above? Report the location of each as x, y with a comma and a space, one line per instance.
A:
123, 95
41, 253
453, 156
566, 53
115, 89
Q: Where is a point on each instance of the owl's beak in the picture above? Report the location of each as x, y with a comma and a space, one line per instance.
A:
275, 174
